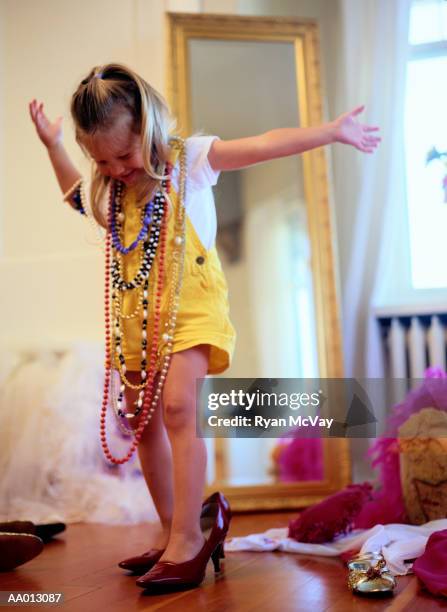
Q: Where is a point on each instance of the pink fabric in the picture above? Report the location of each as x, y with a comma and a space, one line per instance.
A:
387, 504
431, 566
331, 517
432, 393
301, 459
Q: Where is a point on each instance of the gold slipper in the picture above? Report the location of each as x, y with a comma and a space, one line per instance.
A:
369, 575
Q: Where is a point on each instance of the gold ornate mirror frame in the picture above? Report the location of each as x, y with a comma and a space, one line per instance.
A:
303, 34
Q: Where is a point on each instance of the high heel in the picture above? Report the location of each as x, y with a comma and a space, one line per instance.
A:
218, 498
216, 556
141, 564
170, 575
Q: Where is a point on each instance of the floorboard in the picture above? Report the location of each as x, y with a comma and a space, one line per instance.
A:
81, 563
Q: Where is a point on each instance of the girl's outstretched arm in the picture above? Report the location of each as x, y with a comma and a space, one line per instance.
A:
235, 154
50, 133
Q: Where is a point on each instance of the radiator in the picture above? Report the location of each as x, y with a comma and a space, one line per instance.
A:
413, 343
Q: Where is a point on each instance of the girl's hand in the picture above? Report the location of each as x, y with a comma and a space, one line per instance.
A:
49, 133
348, 130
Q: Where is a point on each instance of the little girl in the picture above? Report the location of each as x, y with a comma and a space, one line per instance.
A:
166, 307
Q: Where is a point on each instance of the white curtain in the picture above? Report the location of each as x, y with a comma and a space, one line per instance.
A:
369, 188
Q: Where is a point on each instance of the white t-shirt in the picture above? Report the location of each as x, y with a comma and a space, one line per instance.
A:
199, 199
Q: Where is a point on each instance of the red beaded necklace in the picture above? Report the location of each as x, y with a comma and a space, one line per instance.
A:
152, 365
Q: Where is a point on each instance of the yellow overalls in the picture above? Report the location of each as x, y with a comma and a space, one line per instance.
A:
203, 313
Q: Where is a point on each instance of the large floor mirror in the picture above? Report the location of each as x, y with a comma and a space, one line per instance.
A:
235, 77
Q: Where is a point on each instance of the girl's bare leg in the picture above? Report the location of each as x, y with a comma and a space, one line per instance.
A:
188, 452
154, 451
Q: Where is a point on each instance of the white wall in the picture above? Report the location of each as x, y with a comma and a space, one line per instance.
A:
55, 276
2, 122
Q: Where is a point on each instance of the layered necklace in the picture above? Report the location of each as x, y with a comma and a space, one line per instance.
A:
152, 240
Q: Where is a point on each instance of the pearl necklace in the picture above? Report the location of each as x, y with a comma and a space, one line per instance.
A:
148, 398
114, 400
120, 285
138, 432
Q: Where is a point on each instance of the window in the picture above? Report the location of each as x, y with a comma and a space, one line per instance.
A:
426, 143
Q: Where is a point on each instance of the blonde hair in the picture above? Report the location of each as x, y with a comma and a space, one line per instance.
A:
94, 106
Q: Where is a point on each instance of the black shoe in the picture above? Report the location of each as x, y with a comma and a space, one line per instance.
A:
48, 531
44, 532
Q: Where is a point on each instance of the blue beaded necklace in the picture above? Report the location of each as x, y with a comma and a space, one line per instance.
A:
147, 219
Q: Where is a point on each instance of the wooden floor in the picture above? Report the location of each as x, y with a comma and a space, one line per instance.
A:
81, 563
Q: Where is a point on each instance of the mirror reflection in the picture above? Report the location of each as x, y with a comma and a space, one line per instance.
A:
263, 242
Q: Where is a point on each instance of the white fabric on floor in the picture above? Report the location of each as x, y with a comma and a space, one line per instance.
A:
397, 542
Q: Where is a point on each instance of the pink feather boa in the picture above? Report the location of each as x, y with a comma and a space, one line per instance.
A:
387, 504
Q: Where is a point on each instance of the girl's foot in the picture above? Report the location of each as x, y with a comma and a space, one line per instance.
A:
181, 574
183, 547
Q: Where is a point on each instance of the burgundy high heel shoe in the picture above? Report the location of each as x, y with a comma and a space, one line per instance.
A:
177, 576
143, 563
206, 522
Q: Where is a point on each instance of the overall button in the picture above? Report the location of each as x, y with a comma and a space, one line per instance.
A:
200, 260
